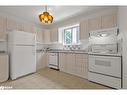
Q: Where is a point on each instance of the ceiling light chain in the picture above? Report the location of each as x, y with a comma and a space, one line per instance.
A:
46, 8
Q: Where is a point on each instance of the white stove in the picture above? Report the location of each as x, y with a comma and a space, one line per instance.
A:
105, 65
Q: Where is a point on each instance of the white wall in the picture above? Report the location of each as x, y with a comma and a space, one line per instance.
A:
122, 18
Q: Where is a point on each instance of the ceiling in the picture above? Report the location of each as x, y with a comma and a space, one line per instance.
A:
59, 13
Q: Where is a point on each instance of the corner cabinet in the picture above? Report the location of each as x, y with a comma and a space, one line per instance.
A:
73, 63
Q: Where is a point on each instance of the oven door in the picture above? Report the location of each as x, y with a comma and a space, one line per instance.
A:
106, 65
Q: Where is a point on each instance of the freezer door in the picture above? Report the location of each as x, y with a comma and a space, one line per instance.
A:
22, 38
23, 61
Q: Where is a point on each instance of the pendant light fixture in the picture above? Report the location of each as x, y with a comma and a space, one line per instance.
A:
45, 17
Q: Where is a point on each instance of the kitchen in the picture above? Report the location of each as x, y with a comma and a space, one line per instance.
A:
83, 49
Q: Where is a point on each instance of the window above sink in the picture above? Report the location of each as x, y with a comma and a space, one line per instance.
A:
69, 35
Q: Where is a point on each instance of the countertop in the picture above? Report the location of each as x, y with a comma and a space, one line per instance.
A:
81, 52
106, 54
68, 51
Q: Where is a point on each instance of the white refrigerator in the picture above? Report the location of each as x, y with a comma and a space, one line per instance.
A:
22, 51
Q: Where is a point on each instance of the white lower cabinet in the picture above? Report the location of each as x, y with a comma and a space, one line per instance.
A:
4, 68
81, 65
70, 63
62, 62
41, 60
74, 63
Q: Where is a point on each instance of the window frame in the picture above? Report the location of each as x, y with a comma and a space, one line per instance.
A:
77, 33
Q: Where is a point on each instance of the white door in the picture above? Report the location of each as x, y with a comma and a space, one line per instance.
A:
105, 65
53, 58
23, 38
23, 61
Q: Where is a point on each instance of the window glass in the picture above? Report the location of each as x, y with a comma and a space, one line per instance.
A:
71, 35
68, 36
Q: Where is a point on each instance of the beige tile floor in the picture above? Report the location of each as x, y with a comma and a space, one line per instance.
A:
51, 79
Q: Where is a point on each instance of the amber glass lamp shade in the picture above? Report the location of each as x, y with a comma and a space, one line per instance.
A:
46, 18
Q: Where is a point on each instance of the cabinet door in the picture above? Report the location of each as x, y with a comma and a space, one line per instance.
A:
4, 68
47, 36
62, 62
94, 23
41, 60
84, 34
19, 26
81, 65
27, 27
54, 35
11, 25
109, 21
85, 66
39, 35
70, 63
33, 29
2, 28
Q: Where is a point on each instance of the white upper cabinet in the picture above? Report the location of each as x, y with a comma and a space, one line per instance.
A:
2, 29
11, 25
54, 35
94, 23
84, 33
39, 35
34, 29
109, 21
46, 35
19, 26
91, 24
27, 27
102, 22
